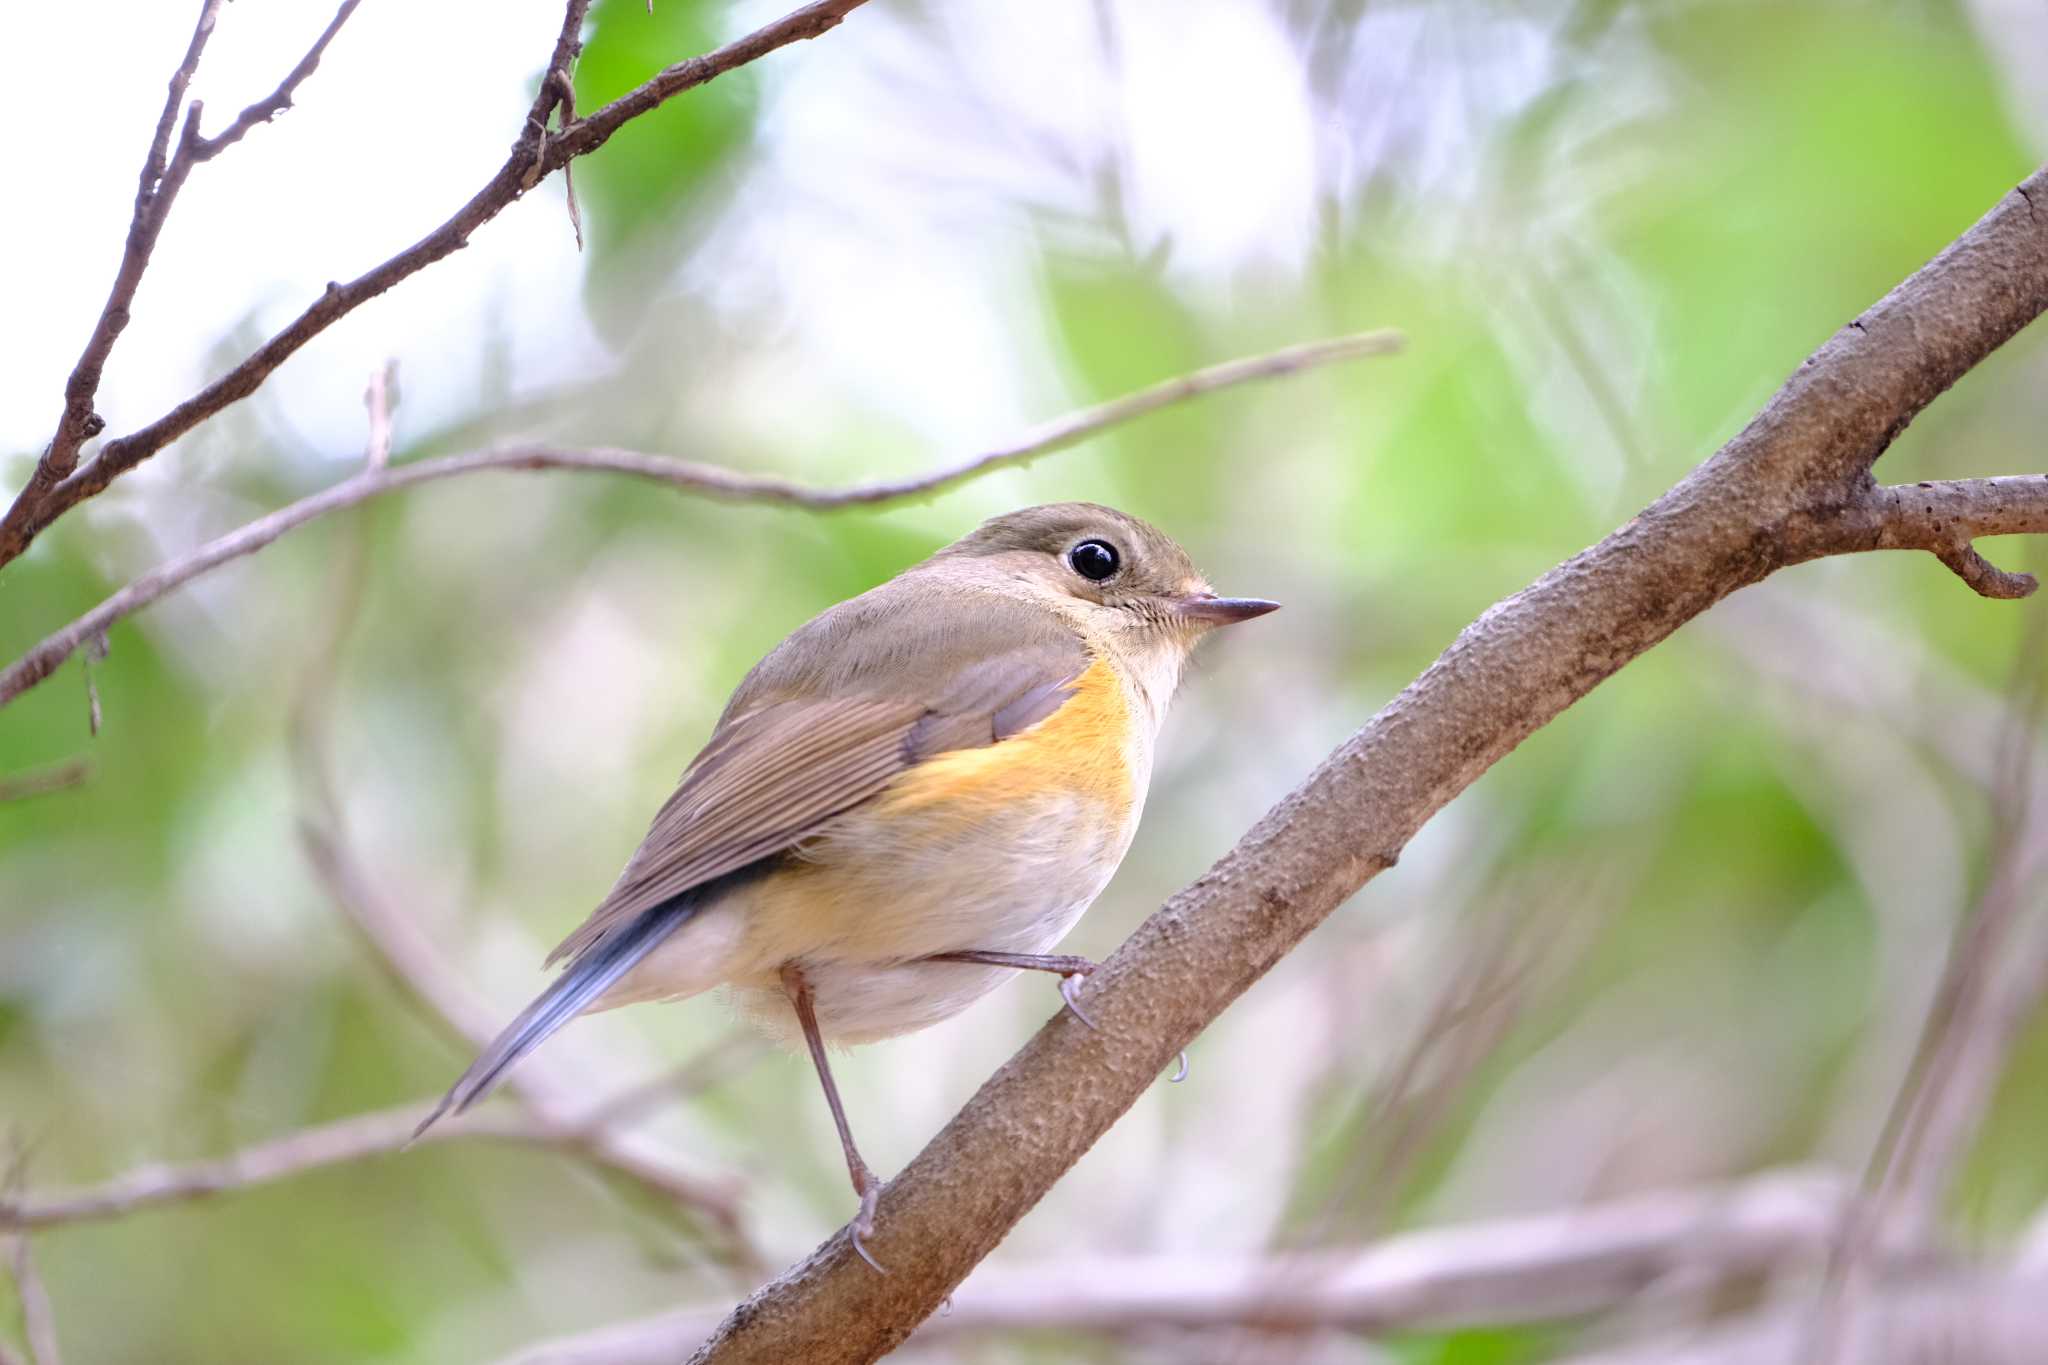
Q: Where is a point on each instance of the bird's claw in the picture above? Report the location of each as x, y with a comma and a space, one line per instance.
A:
863, 1226
1070, 985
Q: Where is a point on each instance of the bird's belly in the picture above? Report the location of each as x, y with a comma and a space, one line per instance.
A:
998, 849
888, 887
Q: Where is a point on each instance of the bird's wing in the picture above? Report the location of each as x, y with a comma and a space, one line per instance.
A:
815, 731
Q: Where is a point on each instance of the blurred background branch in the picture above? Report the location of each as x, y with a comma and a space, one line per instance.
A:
1985, 1318
412, 962
1995, 975
388, 1131
1530, 1269
38, 1315
684, 475
55, 778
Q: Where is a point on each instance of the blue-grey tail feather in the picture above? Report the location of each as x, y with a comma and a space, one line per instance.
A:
578, 987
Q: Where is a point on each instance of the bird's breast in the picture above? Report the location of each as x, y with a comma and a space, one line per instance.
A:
998, 848
1092, 750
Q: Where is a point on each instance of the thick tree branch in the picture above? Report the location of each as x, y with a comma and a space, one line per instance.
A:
56, 486
1752, 508
687, 476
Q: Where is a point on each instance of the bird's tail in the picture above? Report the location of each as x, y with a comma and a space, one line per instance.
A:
579, 986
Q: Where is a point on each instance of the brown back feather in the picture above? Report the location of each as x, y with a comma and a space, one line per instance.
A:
865, 691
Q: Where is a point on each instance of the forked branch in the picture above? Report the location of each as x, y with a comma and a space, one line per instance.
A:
164, 171
58, 483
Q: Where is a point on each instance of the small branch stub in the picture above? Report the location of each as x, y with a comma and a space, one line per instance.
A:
1942, 517
1984, 576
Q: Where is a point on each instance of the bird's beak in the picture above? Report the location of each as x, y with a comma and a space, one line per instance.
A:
1210, 609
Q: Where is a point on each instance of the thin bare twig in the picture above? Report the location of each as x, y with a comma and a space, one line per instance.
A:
56, 778
384, 1133
56, 486
380, 402
280, 99
164, 172
393, 939
413, 964
565, 112
351, 1139
153, 195
700, 479
38, 1316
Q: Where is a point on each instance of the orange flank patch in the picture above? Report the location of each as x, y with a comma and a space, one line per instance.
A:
1000, 845
1083, 749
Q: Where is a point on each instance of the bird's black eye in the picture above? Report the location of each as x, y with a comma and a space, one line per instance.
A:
1094, 560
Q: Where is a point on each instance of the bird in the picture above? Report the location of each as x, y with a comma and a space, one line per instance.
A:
908, 801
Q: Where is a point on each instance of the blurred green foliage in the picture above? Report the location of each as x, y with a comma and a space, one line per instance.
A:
1742, 889
657, 170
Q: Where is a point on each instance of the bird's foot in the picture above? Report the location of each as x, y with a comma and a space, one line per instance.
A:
1066, 966
1070, 970
863, 1225
1070, 985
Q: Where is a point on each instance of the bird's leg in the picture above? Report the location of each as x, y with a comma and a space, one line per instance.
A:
865, 1186
1070, 970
